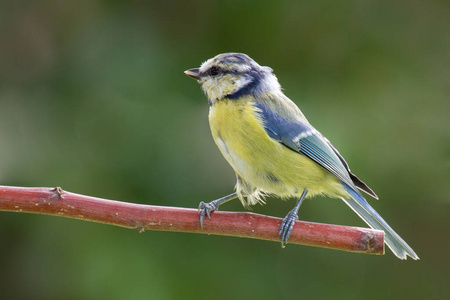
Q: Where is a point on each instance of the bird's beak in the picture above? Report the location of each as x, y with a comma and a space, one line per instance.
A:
194, 73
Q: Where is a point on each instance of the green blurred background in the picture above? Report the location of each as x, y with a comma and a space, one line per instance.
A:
93, 99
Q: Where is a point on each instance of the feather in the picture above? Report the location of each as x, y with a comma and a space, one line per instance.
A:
305, 139
374, 220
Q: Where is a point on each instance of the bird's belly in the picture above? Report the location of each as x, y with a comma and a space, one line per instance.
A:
260, 160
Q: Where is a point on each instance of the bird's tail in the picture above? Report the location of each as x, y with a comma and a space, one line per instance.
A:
374, 220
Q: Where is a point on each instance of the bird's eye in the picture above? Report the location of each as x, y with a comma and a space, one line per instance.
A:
214, 71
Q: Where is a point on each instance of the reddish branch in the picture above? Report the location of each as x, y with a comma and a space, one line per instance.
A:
56, 202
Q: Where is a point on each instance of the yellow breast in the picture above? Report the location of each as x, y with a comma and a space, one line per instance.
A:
264, 163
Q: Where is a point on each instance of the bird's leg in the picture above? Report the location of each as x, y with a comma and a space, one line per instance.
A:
289, 221
208, 208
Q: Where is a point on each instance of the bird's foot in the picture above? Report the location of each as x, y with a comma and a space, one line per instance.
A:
205, 209
286, 227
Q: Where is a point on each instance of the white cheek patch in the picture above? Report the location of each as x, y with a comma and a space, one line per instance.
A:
212, 90
221, 86
240, 83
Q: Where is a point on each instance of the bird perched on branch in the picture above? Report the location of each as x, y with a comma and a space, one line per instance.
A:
272, 147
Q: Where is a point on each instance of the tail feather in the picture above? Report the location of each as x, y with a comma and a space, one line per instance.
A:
374, 220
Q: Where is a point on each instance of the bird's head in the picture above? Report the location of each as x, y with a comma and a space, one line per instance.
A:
233, 75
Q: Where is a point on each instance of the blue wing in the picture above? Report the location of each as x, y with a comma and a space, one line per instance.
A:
305, 139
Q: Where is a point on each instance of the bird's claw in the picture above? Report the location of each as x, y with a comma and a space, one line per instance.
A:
206, 209
286, 227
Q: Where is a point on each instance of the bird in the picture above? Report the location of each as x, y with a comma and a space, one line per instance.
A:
273, 149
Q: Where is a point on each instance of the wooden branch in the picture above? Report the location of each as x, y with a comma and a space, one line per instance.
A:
56, 202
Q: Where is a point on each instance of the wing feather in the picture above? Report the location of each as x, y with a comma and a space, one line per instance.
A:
306, 140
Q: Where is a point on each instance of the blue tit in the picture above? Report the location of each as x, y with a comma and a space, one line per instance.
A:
272, 147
